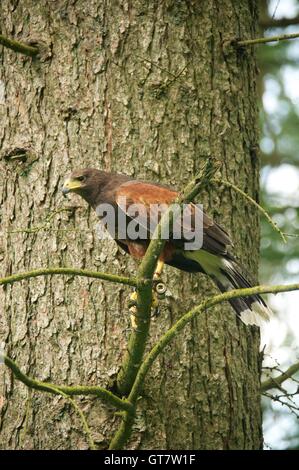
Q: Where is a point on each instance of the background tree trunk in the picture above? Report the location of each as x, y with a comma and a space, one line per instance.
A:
146, 88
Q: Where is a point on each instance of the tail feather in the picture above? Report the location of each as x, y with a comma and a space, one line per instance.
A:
252, 310
227, 275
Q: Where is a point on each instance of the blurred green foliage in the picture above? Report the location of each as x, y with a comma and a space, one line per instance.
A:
279, 123
279, 146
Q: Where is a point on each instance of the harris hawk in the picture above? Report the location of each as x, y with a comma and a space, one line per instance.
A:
214, 259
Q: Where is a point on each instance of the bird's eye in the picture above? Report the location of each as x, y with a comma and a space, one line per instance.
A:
81, 178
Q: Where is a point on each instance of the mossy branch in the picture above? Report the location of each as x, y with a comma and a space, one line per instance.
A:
187, 317
123, 433
275, 382
68, 272
19, 47
105, 395
47, 387
81, 416
254, 203
258, 41
125, 429
137, 341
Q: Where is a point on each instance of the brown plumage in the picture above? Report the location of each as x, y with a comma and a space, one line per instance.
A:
99, 187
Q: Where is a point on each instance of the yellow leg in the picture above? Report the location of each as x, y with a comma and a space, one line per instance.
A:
155, 296
157, 286
133, 310
159, 269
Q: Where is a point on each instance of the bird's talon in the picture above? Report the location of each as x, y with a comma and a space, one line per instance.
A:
156, 312
155, 304
158, 293
132, 302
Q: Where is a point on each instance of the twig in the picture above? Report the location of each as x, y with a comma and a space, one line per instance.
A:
257, 41
81, 415
125, 429
253, 202
19, 47
44, 225
174, 77
287, 394
41, 228
105, 395
137, 341
275, 382
293, 408
156, 65
275, 9
68, 272
278, 23
293, 235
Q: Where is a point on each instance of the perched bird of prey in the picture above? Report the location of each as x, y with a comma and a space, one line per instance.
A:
100, 188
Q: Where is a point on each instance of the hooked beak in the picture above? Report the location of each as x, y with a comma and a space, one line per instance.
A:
70, 185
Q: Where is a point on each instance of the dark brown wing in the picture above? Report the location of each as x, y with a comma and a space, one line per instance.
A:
153, 201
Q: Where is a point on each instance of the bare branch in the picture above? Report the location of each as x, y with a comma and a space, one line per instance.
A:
257, 41
278, 23
293, 408
275, 382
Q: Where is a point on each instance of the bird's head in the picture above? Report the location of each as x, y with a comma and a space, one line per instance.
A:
78, 181
86, 182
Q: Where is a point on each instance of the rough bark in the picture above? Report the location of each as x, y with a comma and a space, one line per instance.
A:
146, 88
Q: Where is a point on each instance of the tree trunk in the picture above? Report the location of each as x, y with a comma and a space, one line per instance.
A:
148, 89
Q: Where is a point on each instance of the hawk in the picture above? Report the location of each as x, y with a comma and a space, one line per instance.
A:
214, 258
